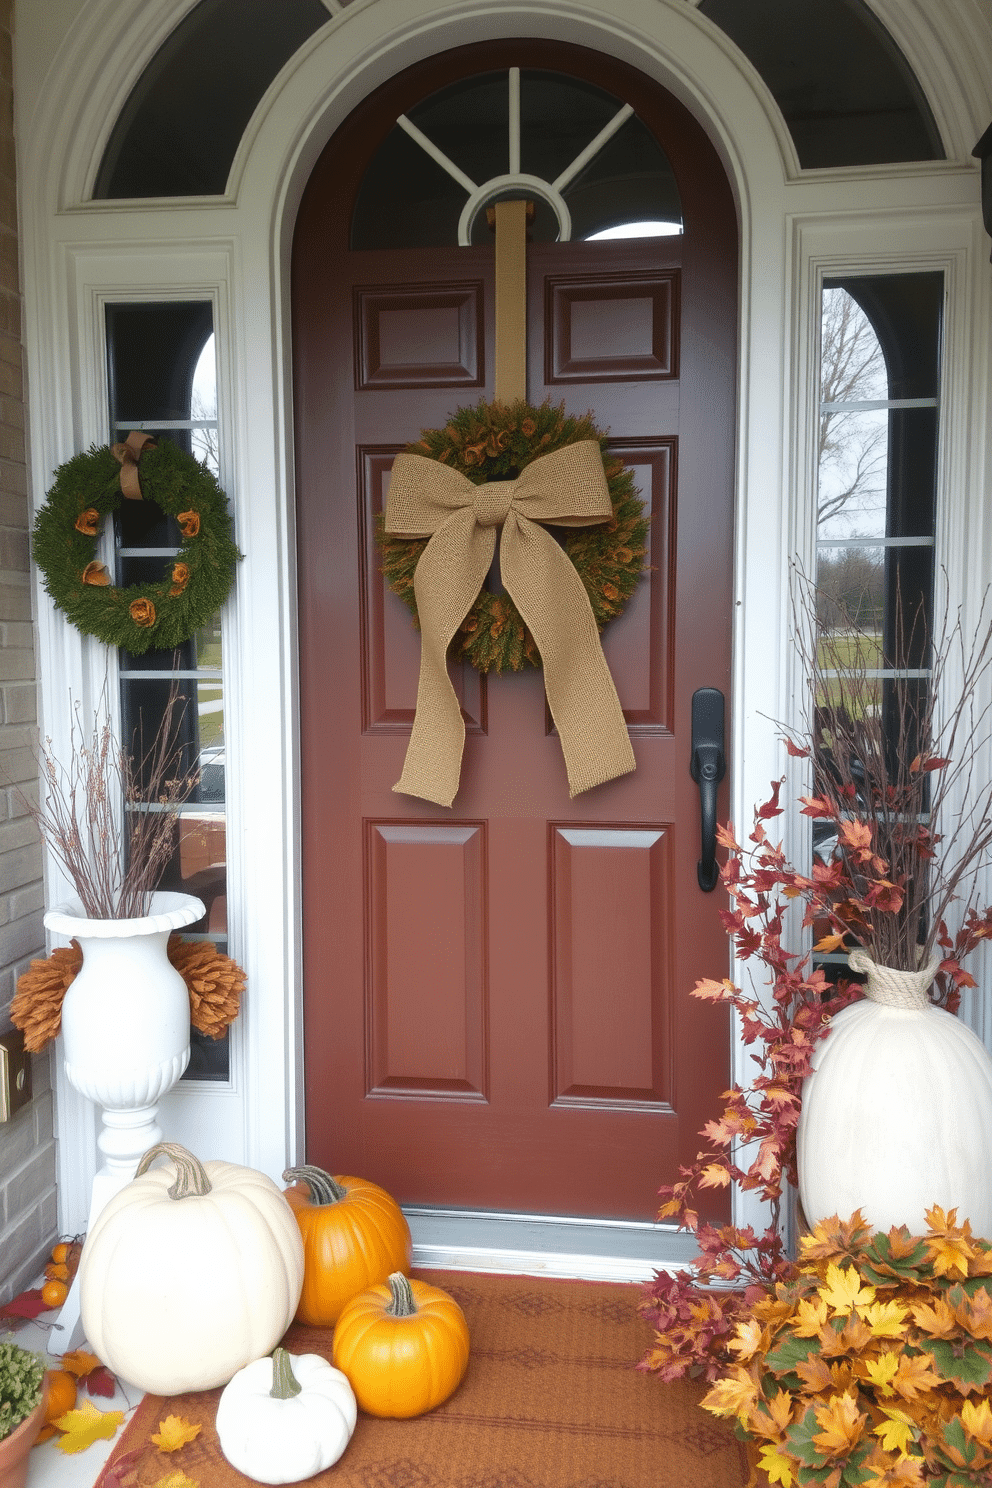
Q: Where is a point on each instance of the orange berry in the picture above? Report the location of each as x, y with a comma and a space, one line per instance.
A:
61, 1393
61, 1253
56, 1271
54, 1293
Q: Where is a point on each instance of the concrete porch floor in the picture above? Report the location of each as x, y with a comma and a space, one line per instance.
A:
49, 1467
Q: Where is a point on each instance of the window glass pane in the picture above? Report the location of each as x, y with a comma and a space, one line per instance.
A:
410, 196
845, 90
162, 372
178, 132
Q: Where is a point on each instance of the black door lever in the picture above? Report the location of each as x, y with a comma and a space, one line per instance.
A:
707, 768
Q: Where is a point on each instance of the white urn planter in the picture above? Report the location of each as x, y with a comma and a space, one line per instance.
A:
125, 1038
897, 1112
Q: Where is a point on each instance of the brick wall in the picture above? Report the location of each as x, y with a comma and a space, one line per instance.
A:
27, 1144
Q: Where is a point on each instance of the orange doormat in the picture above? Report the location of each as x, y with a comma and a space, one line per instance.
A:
551, 1400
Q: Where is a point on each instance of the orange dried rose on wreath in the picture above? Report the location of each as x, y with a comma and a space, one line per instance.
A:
87, 522
189, 523
96, 573
142, 612
180, 578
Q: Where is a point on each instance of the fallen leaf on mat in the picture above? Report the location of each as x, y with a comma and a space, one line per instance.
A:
174, 1432
101, 1381
118, 1474
86, 1425
177, 1479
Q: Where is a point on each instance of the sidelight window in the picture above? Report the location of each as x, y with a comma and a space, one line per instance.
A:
162, 379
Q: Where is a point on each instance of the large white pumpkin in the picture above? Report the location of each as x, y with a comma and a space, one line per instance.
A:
189, 1273
897, 1115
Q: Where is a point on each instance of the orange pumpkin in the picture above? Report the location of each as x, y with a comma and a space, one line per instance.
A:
62, 1390
354, 1235
403, 1347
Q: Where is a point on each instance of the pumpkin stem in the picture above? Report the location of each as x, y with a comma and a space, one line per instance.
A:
191, 1175
402, 1304
323, 1188
284, 1382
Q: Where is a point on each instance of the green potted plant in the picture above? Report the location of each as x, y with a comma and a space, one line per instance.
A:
23, 1389
871, 1365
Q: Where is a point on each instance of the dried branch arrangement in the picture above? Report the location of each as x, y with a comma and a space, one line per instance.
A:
896, 779
109, 816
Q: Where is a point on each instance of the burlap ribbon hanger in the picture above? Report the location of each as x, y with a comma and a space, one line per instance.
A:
128, 454
566, 487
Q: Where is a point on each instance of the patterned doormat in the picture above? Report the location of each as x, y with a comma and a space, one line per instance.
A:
551, 1400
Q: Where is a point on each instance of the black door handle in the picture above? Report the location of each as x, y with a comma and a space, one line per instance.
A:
707, 768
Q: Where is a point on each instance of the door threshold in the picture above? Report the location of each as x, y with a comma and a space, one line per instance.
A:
546, 1245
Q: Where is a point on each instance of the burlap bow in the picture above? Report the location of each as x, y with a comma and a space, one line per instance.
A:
566, 487
128, 454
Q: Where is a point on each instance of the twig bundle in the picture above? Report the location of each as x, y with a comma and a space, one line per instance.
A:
109, 816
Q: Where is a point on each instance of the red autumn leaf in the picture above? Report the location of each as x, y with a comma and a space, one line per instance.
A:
25, 1305
101, 1382
796, 750
817, 807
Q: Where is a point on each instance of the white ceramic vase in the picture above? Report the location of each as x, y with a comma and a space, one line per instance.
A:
897, 1114
125, 1019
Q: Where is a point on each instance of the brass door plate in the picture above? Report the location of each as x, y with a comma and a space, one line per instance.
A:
15, 1074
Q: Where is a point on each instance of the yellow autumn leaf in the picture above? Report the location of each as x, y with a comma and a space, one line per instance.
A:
841, 1425
915, 1375
750, 1338
80, 1363
904, 1472
977, 1421
174, 1432
975, 1315
896, 1432
815, 1374
810, 1317
950, 1255
842, 1290
85, 1425
714, 1175
881, 1372
778, 1467
885, 1319
177, 1479
937, 1321
732, 1397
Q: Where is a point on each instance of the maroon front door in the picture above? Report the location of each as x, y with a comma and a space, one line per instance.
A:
497, 997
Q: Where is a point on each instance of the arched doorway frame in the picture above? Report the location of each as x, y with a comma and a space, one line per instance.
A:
235, 251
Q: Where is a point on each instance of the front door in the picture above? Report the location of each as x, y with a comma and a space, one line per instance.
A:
497, 1006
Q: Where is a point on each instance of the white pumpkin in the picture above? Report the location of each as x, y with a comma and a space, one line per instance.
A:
286, 1418
189, 1273
897, 1115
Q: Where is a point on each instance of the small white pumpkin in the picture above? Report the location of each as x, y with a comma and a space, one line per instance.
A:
184, 1282
897, 1114
286, 1418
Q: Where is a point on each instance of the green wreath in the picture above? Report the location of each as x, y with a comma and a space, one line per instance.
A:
494, 441
197, 580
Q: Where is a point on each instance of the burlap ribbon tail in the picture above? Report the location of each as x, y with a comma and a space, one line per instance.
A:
567, 488
128, 453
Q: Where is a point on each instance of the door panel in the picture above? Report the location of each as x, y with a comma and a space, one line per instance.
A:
497, 1008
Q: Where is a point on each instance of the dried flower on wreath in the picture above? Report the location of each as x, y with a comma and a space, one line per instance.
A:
214, 981
161, 613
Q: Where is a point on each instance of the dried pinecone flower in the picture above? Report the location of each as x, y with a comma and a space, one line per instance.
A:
37, 1006
215, 983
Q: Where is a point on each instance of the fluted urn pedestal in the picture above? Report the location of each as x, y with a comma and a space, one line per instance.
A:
125, 1040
